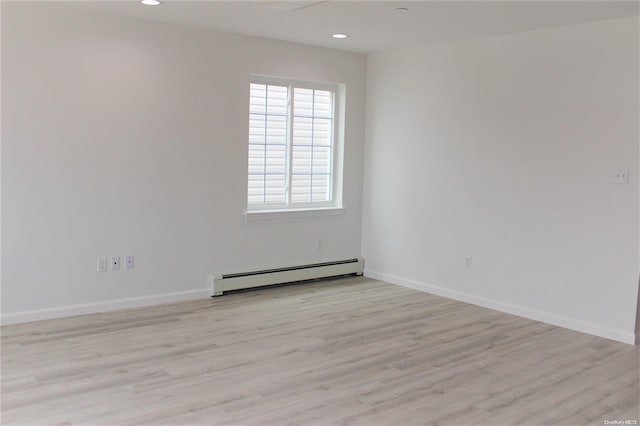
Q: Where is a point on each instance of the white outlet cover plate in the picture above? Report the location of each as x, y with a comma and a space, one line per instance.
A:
101, 265
115, 263
128, 262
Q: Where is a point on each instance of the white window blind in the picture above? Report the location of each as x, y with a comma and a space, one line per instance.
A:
291, 146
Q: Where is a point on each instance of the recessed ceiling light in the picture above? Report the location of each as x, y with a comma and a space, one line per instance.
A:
339, 35
150, 2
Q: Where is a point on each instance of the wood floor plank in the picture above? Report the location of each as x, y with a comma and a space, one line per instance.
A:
350, 351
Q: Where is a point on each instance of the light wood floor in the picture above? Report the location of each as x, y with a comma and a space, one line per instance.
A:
353, 351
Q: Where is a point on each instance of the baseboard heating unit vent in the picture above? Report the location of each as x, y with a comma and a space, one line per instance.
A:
228, 282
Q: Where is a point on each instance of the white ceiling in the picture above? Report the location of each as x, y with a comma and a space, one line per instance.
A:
373, 25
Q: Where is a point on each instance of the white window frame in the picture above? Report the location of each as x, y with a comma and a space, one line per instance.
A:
333, 206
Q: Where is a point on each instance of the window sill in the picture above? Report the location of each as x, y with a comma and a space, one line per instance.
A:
292, 214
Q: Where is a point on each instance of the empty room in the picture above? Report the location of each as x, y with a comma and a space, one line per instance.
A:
320, 212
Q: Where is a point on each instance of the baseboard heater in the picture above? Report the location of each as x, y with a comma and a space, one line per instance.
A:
242, 280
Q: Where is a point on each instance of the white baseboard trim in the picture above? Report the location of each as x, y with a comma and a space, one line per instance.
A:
522, 311
111, 305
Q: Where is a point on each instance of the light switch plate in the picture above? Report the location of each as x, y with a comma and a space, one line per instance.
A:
620, 176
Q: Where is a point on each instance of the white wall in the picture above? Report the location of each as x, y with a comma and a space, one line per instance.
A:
122, 136
501, 149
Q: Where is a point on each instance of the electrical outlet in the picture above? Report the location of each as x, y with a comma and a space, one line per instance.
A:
467, 262
115, 263
128, 262
620, 176
102, 264
319, 245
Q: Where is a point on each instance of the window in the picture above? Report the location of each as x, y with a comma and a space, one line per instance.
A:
292, 149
